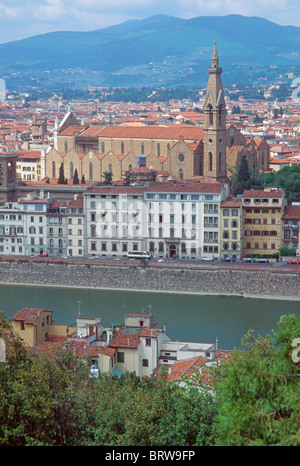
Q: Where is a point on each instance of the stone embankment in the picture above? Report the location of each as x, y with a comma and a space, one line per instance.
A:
249, 281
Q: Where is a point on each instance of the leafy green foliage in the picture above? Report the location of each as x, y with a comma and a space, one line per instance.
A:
49, 399
288, 178
258, 390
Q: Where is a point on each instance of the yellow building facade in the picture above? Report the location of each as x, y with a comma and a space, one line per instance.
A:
231, 228
262, 221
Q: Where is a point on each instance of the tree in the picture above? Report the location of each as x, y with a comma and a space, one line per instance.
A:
82, 179
258, 390
287, 178
243, 178
75, 177
61, 177
107, 177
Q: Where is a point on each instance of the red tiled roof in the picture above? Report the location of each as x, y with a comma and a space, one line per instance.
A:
146, 132
29, 315
165, 186
124, 340
232, 202
72, 130
292, 212
150, 332
262, 193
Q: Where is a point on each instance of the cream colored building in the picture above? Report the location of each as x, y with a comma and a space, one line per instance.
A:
29, 166
231, 228
36, 325
262, 221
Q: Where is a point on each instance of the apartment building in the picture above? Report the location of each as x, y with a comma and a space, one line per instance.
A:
231, 228
75, 227
23, 227
166, 219
115, 220
29, 166
12, 230
262, 221
36, 225
290, 226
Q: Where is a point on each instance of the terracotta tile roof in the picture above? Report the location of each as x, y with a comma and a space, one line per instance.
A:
165, 186
29, 315
124, 340
262, 193
146, 132
30, 155
150, 332
72, 130
292, 212
233, 202
184, 187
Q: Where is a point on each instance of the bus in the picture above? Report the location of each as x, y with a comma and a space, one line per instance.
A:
138, 255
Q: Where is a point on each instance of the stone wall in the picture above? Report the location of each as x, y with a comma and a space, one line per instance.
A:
269, 282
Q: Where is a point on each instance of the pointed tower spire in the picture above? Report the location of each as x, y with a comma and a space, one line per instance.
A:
215, 57
214, 152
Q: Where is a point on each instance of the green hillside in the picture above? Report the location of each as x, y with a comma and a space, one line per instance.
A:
158, 51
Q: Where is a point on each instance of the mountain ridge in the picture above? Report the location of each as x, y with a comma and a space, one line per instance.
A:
160, 50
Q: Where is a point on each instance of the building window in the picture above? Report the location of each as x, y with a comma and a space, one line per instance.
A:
53, 170
121, 357
145, 363
210, 161
148, 341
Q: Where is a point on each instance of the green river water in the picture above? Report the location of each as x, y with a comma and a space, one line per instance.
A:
187, 317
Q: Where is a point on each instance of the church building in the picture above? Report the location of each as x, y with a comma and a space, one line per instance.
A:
174, 152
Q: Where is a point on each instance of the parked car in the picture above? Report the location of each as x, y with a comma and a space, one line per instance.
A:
208, 258
263, 261
248, 260
294, 261
228, 259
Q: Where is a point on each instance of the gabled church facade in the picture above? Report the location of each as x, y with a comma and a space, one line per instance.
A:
177, 152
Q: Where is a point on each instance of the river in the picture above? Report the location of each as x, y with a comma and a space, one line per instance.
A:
187, 317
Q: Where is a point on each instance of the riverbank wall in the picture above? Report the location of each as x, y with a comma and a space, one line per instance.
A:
267, 282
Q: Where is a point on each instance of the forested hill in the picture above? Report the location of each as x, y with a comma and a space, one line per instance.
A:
160, 51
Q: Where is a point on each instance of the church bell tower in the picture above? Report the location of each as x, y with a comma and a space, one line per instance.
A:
214, 156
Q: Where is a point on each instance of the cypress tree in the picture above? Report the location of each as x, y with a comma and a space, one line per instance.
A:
75, 177
243, 179
61, 178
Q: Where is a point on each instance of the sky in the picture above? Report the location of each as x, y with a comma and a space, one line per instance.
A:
20, 19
